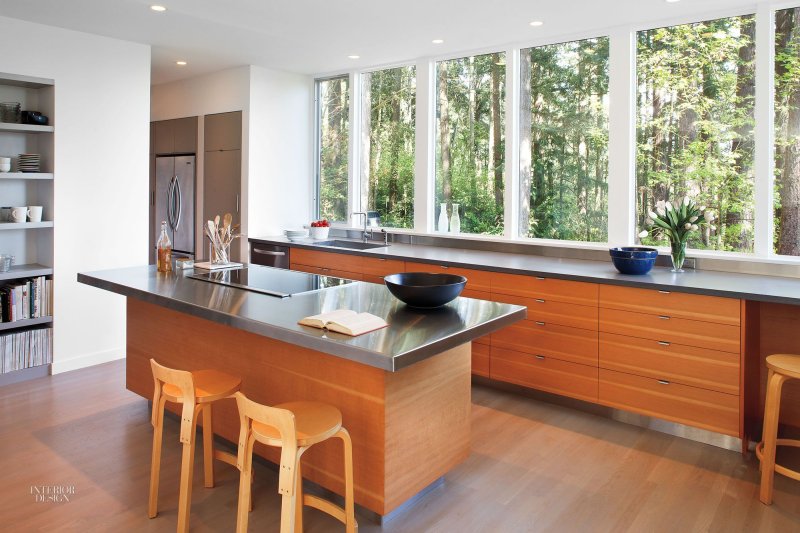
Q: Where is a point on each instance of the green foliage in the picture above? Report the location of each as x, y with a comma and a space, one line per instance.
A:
565, 131
333, 109
390, 102
473, 164
695, 125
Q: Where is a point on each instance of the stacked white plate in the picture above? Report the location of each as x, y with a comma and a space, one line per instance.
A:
296, 234
28, 162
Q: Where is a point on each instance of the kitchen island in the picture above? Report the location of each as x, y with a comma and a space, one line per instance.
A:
404, 391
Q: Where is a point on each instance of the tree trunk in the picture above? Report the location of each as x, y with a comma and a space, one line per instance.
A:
742, 146
367, 159
497, 150
788, 25
444, 137
525, 147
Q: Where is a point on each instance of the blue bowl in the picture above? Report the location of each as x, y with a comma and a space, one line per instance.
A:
635, 260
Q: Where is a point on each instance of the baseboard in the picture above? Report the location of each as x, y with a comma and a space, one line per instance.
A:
90, 359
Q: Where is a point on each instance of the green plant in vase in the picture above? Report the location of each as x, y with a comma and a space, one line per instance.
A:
676, 223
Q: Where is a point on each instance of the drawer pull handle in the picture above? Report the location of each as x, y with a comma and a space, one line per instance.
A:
665, 292
324, 269
663, 382
539, 357
664, 343
664, 317
540, 300
267, 252
540, 278
539, 323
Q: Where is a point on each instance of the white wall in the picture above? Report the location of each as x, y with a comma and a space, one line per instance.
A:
281, 135
276, 138
102, 99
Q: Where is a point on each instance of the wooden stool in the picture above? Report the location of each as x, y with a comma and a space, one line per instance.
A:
294, 427
196, 391
782, 367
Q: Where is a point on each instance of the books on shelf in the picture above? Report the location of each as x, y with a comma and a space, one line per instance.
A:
26, 299
26, 349
345, 321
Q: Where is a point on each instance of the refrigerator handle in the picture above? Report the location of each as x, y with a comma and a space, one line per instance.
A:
169, 203
178, 203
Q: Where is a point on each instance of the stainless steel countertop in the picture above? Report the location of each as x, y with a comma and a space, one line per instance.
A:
731, 285
412, 335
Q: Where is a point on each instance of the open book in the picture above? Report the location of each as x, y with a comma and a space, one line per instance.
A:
345, 321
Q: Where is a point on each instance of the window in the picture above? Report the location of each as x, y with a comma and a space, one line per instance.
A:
333, 128
387, 145
470, 151
695, 100
787, 131
564, 141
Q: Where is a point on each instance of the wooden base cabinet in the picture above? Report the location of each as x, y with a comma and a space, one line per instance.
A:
544, 373
693, 406
481, 359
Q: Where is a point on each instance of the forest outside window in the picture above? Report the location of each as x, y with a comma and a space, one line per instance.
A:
695, 105
563, 128
787, 132
470, 151
333, 109
387, 144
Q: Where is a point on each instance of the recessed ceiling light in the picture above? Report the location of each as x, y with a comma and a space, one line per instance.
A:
160, 9
437, 41
353, 57
671, 1
181, 63
536, 23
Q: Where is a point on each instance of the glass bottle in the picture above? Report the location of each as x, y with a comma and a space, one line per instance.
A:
455, 220
164, 250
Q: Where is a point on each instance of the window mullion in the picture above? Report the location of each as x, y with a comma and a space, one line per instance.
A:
511, 196
621, 137
764, 160
354, 150
425, 156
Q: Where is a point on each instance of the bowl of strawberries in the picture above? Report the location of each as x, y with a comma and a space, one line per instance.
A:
320, 229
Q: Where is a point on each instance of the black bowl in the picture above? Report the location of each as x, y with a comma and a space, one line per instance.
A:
423, 289
636, 260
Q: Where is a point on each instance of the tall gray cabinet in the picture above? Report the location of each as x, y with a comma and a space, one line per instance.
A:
222, 168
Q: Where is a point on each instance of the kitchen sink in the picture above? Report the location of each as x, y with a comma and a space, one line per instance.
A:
353, 245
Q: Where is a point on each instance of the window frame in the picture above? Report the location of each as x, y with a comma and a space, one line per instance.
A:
622, 136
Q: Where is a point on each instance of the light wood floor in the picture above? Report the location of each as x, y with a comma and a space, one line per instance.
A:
534, 467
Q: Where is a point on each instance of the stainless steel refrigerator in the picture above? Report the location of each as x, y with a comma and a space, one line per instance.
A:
174, 202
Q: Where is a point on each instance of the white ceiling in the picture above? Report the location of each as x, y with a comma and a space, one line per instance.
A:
316, 36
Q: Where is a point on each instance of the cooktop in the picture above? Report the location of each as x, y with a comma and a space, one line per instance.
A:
269, 280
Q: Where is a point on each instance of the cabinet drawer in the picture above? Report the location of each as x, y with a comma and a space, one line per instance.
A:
476, 279
715, 411
544, 373
688, 365
551, 340
480, 359
346, 262
376, 266
670, 329
551, 311
328, 272
575, 292
677, 304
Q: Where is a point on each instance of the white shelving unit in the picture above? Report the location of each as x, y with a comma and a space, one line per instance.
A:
31, 243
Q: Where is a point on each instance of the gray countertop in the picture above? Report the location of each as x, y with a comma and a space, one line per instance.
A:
731, 285
412, 335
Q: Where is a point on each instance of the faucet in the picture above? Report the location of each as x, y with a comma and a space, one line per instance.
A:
367, 234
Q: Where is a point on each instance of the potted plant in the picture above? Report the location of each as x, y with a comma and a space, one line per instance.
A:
676, 223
